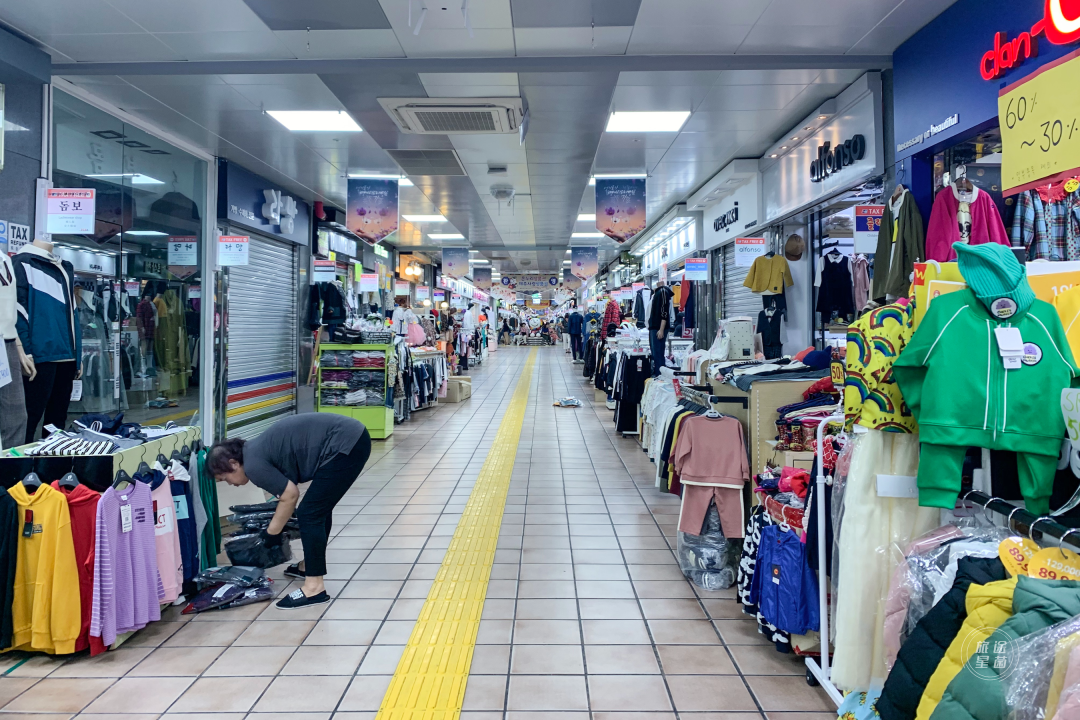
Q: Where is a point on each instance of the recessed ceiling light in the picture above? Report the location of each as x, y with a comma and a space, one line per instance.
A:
315, 120
822, 117
479, 260
795, 138
587, 235
446, 236
783, 147
424, 218
136, 178
774, 155
626, 176
586, 217
144, 232
647, 121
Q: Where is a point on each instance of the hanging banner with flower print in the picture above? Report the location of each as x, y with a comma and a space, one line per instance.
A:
372, 208
620, 207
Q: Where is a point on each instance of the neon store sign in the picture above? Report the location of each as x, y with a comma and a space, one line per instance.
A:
1060, 24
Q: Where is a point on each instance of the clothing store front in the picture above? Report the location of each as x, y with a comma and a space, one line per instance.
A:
948, 133
261, 309
811, 185
137, 264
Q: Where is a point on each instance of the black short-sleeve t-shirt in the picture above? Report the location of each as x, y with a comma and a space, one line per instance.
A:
295, 447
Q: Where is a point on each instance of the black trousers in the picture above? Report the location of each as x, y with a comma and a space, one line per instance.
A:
316, 510
48, 395
575, 346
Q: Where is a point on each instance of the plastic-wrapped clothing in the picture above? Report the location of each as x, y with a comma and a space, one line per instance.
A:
784, 587
872, 531
920, 655
1063, 697
708, 559
977, 692
988, 606
896, 606
244, 576
252, 550
747, 567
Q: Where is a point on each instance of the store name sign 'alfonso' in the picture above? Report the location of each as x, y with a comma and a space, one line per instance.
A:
1060, 24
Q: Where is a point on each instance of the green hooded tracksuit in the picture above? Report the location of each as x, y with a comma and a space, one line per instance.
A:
954, 379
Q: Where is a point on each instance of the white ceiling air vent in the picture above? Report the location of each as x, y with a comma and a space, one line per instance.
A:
454, 116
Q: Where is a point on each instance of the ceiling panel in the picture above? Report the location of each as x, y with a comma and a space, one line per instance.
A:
658, 98
320, 14
800, 39
312, 95
190, 15
64, 17
572, 41
691, 13
751, 97
704, 78
247, 45
456, 42
340, 44
696, 39
114, 48
483, 15
849, 13
573, 13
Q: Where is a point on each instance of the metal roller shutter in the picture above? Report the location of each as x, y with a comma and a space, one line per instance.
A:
262, 338
738, 300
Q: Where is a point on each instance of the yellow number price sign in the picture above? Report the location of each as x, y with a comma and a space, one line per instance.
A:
1054, 564
1016, 553
1040, 126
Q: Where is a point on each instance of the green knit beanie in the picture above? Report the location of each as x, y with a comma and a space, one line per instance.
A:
996, 277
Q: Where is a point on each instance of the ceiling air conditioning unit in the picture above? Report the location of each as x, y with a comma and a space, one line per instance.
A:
454, 116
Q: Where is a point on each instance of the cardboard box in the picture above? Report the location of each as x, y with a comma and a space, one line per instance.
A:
457, 389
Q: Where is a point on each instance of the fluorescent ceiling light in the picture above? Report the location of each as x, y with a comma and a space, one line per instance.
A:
446, 236
402, 182
315, 120
627, 176
405, 182
479, 260
424, 218
647, 121
136, 178
12, 127
586, 217
144, 232
587, 235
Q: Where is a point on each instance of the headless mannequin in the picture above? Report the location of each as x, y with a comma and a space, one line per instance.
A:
12, 397
47, 385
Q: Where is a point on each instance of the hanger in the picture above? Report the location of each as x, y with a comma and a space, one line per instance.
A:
69, 481
122, 480
1061, 540
1031, 529
144, 467
897, 192
162, 460
31, 482
960, 179
712, 413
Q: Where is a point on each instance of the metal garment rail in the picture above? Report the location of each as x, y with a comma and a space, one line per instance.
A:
1036, 527
820, 670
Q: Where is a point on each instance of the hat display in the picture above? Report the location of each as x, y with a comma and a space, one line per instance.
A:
794, 247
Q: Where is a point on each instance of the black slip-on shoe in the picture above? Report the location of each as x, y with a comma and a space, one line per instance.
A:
296, 599
294, 571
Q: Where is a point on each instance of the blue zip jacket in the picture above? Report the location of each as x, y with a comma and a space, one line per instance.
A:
784, 588
577, 324
45, 302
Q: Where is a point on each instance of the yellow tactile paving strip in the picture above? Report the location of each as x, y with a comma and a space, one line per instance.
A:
429, 683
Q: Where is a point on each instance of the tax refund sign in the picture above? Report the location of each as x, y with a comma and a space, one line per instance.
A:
1040, 126
747, 250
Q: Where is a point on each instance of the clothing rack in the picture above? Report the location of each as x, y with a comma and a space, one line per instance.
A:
817, 670
1036, 527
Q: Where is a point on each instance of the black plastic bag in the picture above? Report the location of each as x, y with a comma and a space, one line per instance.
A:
252, 595
242, 576
250, 549
269, 505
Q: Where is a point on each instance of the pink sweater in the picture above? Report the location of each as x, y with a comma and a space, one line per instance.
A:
711, 451
986, 225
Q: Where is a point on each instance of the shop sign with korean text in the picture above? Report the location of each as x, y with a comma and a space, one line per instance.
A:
422, 292
233, 250
369, 282
747, 250
1040, 126
696, 269
70, 210
867, 225
401, 287
183, 250
323, 271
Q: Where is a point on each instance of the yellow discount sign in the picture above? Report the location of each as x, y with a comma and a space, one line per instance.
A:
1054, 564
1015, 553
1040, 126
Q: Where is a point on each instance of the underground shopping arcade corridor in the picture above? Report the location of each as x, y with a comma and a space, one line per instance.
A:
586, 613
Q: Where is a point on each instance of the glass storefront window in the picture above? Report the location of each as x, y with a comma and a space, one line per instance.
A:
138, 304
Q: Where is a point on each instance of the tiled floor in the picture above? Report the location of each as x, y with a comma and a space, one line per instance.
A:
587, 611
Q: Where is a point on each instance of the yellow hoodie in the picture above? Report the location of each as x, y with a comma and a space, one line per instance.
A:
45, 608
988, 606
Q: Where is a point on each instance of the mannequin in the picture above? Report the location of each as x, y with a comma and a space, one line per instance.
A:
12, 397
661, 317
49, 332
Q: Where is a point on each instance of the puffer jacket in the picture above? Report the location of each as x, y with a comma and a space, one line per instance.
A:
976, 693
988, 606
1063, 697
922, 652
896, 604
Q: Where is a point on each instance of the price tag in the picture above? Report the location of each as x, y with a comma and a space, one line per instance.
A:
5, 370
76, 390
1016, 553
1054, 564
1040, 127
125, 518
